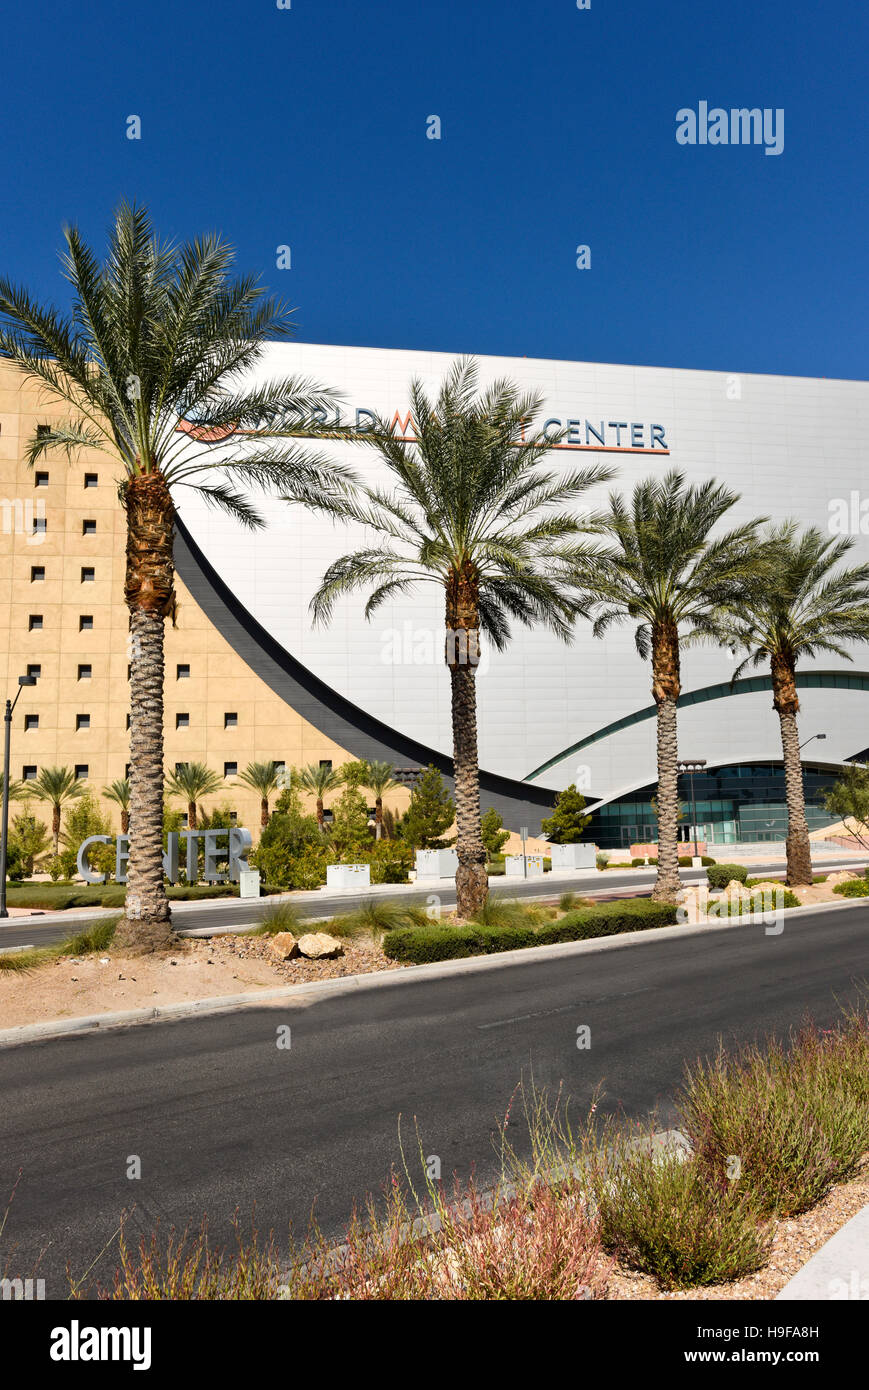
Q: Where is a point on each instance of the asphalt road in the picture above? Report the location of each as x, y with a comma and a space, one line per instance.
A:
233, 912
220, 1117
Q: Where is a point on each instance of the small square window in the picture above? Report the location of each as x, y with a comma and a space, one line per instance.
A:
179, 767
230, 721
82, 721
41, 480
85, 622
91, 479
182, 672
81, 772
34, 670
230, 769
28, 772
327, 763
89, 528
183, 820
34, 622
85, 673
88, 574
40, 526
128, 721
37, 572
182, 721
31, 721
43, 431
127, 770
233, 816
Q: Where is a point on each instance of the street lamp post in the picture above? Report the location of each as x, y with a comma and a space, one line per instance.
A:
4, 828
691, 766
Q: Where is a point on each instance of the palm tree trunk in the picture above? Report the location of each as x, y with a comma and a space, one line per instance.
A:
320, 817
378, 817
147, 922
125, 821
264, 812
786, 702
666, 684
191, 815
55, 826
462, 654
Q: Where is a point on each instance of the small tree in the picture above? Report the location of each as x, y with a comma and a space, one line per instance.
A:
349, 833
56, 786
264, 779
119, 793
379, 780
568, 820
30, 837
318, 779
494, 836
848, 799
191, 782
431, 812
83, 820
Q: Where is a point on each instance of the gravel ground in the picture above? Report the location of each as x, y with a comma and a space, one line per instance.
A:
74, 987
361, 956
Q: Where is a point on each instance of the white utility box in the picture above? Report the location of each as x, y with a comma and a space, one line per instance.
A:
514, 868
248, 883
348, 875
573, 856
436, 863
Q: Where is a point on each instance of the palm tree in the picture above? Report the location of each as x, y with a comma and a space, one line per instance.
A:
18, 791
119, 792
263, 778
319, 779
379, 779
56, 785
805, 606
665, 573
153, 363
472, 513
191, 782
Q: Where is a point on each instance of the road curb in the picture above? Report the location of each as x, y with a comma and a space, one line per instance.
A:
839, 1270
352, 984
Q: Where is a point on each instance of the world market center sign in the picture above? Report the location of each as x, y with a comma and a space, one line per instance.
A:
228, 847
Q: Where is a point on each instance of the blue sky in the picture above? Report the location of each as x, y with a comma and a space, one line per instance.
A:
307, 128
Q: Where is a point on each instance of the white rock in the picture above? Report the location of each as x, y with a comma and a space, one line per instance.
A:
320, 946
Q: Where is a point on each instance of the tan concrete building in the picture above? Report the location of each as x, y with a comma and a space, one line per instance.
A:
63, 618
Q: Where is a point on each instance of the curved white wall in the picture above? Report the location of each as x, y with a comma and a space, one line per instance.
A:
790, 446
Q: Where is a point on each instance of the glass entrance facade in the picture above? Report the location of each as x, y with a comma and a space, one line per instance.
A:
744, 802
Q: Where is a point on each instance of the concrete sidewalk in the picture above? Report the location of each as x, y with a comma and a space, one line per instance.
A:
840, 1269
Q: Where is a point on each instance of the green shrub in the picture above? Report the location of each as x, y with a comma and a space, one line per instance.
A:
288, 838
852, 888
498, 911
601, 860
760, 900
390, 861
796, 1118
14, 862
719, 875
418, 945
660, 1213
492, 832
637, 863
278, 917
